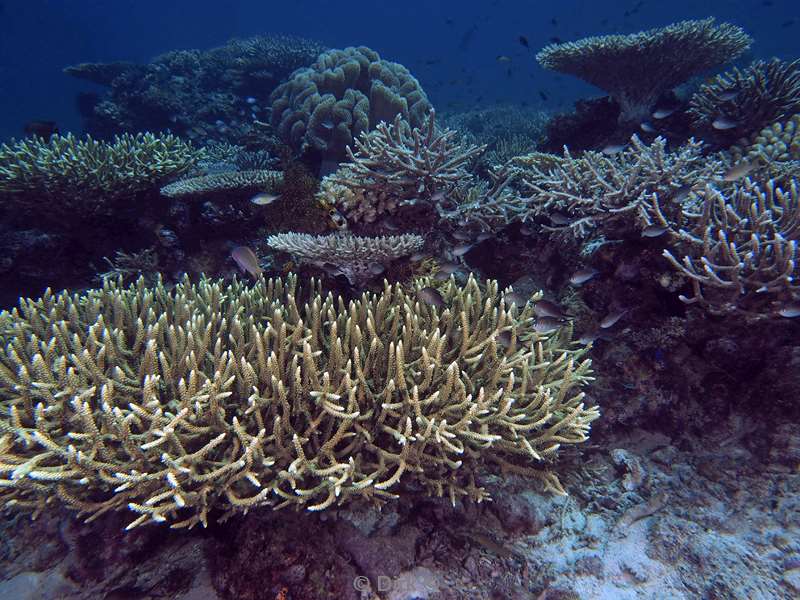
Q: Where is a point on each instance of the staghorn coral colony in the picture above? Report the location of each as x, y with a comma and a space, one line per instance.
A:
292, 282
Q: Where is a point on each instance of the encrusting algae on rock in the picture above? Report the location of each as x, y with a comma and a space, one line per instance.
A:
177, 402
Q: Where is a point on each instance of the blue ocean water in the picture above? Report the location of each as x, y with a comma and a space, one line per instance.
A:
462, 39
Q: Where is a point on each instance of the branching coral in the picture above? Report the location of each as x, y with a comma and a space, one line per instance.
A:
636, 69
343, 94
396, 165
580, 194
488, 206
739, 249
357, 258
89, 175
176, 402
232, 181
764, 93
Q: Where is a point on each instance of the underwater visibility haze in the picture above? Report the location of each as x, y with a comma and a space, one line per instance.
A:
400, 300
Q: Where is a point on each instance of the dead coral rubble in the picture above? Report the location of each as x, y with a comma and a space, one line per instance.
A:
173, 402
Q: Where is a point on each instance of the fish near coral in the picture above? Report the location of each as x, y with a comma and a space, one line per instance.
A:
246, 260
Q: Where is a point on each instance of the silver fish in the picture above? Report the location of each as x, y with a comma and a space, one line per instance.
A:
581, 276
449, 267
790, 311
738, 171
545, 308
546, 324
611, 318
652, 231
264, 199
418, 257
504, 338
722, 123
613, 149
515, 298
560, 218
647, 127
462, 235
588, 337
431, 296
441, 276
682, 192
462, 250
662, 113
482, 237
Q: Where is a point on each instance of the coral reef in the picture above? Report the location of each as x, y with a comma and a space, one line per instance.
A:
226, 182
764, 93
739, 249
359, 259
345, 93
175, 402
580, 194
397, 166
506, 131
636, 69
779, 142
211, 95
222, 157
87, 175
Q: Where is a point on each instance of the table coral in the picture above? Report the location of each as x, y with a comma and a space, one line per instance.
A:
173, 403
353, 256
232, 181
636, 69
68, 173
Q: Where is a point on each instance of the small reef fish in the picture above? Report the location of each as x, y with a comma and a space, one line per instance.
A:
581, 276
515, 298
589, 337
376, 268
683, 192
545, 308
482, 237
246, 260
790, 311
463, 236
504, 338
652, 231
738, 171
546, 324
611, 318
418, 257
449, 267
612, 149
462, 250
560, 218
502, 58
647, 127
43, 129
723, 123
728, 95
264, 199
524, 41
662, 113
431, 296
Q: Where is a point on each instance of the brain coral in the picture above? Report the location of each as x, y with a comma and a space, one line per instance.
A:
174, 402
343, 94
